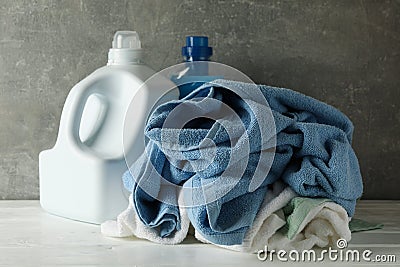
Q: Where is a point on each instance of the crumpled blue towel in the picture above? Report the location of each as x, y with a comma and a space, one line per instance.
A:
313, 155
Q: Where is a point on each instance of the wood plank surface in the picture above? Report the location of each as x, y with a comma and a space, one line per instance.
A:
31, 237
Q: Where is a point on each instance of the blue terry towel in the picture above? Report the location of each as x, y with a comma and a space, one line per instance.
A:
313, 155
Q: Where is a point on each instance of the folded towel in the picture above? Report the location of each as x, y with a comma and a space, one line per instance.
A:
296, 212
129, 224
313, 155
311, 223
323, 226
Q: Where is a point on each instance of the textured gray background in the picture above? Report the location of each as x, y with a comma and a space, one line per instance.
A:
343, 52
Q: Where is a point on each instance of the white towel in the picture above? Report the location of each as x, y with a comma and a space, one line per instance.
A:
128, 223
323, 226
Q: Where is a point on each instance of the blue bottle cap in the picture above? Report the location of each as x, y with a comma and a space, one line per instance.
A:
196, 49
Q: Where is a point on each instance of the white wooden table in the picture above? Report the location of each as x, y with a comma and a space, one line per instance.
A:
31, 237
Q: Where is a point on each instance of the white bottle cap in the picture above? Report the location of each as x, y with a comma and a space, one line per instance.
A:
126, 40
126, 49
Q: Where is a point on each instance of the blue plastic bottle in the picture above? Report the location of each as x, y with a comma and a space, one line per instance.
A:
196, 53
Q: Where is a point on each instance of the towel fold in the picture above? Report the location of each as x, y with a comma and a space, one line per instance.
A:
293, 223
323, 226
314, 147
296, 212
313, 155
217, 161
128, 223
266, 223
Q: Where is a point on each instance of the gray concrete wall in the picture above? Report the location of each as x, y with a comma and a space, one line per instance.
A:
346, 53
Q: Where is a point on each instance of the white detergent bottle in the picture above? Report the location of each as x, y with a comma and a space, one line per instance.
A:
80, 177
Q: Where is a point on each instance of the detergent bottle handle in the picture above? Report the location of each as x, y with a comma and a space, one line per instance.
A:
72, 115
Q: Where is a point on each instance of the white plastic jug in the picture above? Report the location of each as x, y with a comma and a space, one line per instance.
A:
80, 177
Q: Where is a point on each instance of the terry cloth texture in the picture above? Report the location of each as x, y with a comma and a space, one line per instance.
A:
313, 155
309, 222
129, 224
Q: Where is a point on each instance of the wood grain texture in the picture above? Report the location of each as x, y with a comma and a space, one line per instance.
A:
31, 237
